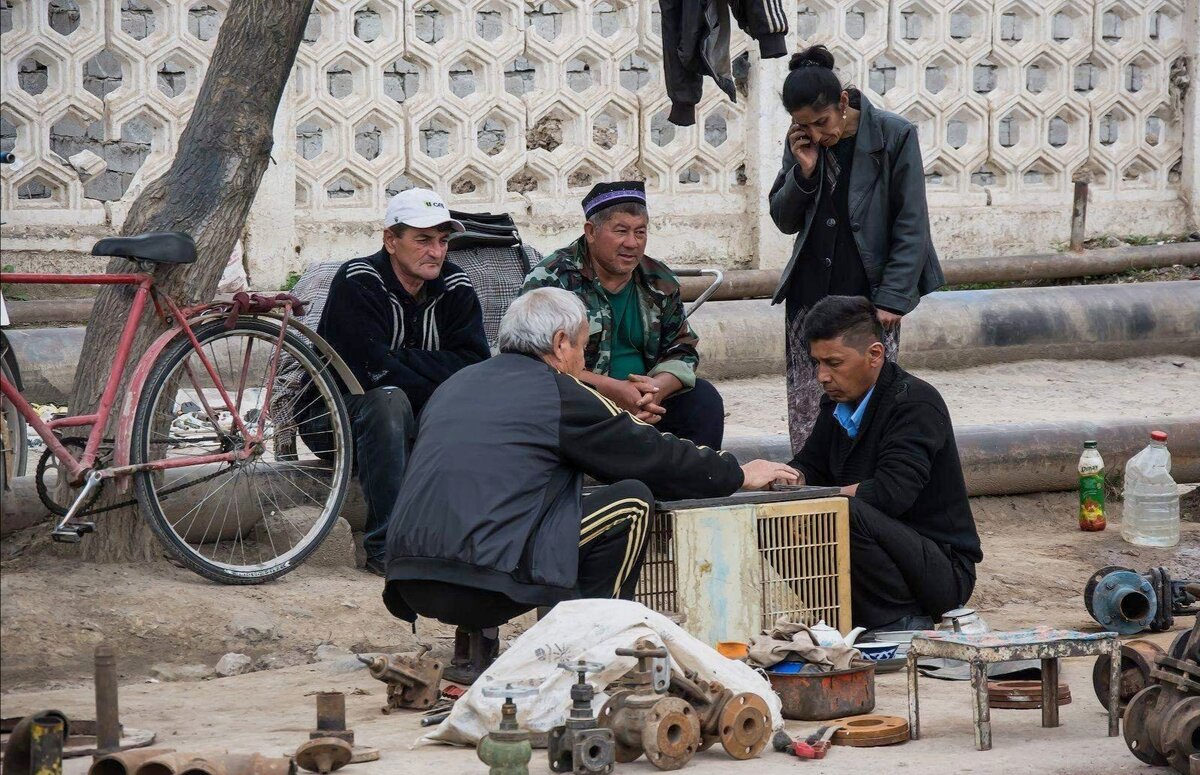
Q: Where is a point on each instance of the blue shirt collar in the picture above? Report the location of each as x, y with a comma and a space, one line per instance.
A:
851, 419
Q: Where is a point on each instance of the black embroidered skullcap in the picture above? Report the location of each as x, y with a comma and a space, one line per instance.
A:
605, 195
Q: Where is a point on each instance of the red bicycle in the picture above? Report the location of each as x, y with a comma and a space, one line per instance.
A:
232, 429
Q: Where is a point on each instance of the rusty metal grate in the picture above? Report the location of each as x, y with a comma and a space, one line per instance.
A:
658, 584
805, 564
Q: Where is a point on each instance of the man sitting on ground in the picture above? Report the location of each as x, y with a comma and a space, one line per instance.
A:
492, 521
403, 319
641, 352
885, 438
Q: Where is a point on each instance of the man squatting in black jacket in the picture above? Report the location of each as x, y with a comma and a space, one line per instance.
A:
492, 520
403, 319
885, 438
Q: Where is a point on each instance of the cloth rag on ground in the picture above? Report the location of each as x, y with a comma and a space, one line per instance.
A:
591, 630
786, 639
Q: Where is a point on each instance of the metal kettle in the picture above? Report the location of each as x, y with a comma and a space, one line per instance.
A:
964, 620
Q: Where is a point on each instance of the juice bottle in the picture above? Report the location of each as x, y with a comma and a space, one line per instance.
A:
1091, 488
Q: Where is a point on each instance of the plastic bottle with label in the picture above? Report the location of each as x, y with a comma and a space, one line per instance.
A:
1091, 488
1151, 513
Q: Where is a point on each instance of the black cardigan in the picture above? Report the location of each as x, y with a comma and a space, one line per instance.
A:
904, 460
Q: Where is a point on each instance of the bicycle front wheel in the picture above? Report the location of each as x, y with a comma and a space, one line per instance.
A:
252, 520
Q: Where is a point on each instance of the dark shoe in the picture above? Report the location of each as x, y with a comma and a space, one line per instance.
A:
376, 565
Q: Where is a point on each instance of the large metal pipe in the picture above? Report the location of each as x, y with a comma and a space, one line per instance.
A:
761, 283
1036, 457
1003, 459
125, 762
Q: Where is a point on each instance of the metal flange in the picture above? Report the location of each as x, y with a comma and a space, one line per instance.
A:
1137, 660
870, 730
1179, 733
671, 733
745, 725
1137, 729
324, 754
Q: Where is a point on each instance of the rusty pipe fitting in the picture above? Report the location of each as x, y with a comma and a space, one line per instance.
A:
125, 762
166, 763
741, 722
331, 717
46, 736
240, 764
1137, 660
108, 720
413, 682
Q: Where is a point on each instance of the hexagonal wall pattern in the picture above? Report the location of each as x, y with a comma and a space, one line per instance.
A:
511, 105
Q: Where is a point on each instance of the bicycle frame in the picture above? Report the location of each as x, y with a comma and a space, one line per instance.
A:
179, 320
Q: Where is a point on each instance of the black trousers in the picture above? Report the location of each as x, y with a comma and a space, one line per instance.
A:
697, 415
614, 531
896, 572
384, 431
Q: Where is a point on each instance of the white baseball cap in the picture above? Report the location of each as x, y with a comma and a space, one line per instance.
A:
419, 208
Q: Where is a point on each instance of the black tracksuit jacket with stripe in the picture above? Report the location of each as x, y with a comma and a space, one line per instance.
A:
388, 338
492, 495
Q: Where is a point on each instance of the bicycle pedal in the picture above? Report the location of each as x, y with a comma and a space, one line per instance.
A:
70, 534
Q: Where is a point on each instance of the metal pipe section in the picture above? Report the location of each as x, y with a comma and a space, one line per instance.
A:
108, 721
761, 283
46, 736
125, 762
1003, 459
1035, 457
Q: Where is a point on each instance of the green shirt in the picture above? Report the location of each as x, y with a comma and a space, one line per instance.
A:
627, 357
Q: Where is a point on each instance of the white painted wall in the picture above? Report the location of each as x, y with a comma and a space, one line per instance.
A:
1011, 97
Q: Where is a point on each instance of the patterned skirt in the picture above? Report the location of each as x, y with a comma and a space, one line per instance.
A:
803, 392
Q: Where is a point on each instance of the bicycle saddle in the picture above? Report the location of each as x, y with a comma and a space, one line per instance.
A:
161, 247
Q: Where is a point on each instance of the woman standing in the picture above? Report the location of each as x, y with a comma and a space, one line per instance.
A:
852, 190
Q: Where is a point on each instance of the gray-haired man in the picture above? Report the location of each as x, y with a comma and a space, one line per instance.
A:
500, 459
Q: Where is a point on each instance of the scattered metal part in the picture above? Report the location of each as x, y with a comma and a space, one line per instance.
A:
46, 736
323, 754
1137, 659
1162, 722
507, 750
108, 720
870, 731
741, 722
828, 695
435, 719
18, 751
581, 746
413, 681
1023, 695
1127, 602
644, 720
124, 762
331, 718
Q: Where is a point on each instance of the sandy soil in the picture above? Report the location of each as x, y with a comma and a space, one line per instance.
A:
170, 627
1025, 391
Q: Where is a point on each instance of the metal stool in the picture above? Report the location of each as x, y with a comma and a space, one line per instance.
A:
1042, 643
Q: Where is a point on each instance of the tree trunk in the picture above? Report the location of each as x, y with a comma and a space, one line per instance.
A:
223, 152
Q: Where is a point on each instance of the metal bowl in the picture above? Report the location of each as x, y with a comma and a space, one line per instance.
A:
822, 696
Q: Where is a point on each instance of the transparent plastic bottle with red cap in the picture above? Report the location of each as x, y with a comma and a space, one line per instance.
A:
1151, 500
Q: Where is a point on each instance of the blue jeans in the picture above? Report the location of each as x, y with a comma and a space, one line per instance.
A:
384, 431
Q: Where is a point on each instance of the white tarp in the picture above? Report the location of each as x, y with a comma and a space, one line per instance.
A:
590, 630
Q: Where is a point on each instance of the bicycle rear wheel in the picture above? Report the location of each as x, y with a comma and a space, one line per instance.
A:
253, 520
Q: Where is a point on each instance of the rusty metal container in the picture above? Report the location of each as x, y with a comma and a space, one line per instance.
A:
822, 696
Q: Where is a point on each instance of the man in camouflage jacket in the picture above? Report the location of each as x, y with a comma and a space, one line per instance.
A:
642, 352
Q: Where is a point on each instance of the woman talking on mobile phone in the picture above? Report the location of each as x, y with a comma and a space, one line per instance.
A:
852, 190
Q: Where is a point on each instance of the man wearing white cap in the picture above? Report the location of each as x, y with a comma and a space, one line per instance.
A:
404, 320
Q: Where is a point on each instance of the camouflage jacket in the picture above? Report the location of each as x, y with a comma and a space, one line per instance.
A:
670, 343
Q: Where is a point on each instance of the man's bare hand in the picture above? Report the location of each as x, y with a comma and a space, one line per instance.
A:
888, 320
623, 393
803, 149
760, 473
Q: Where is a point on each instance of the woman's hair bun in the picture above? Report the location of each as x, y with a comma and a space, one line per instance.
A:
813, 56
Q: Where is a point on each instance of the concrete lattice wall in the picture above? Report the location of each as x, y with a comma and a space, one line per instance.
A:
521, 106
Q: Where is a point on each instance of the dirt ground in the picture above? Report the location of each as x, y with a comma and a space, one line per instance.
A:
1025, 391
